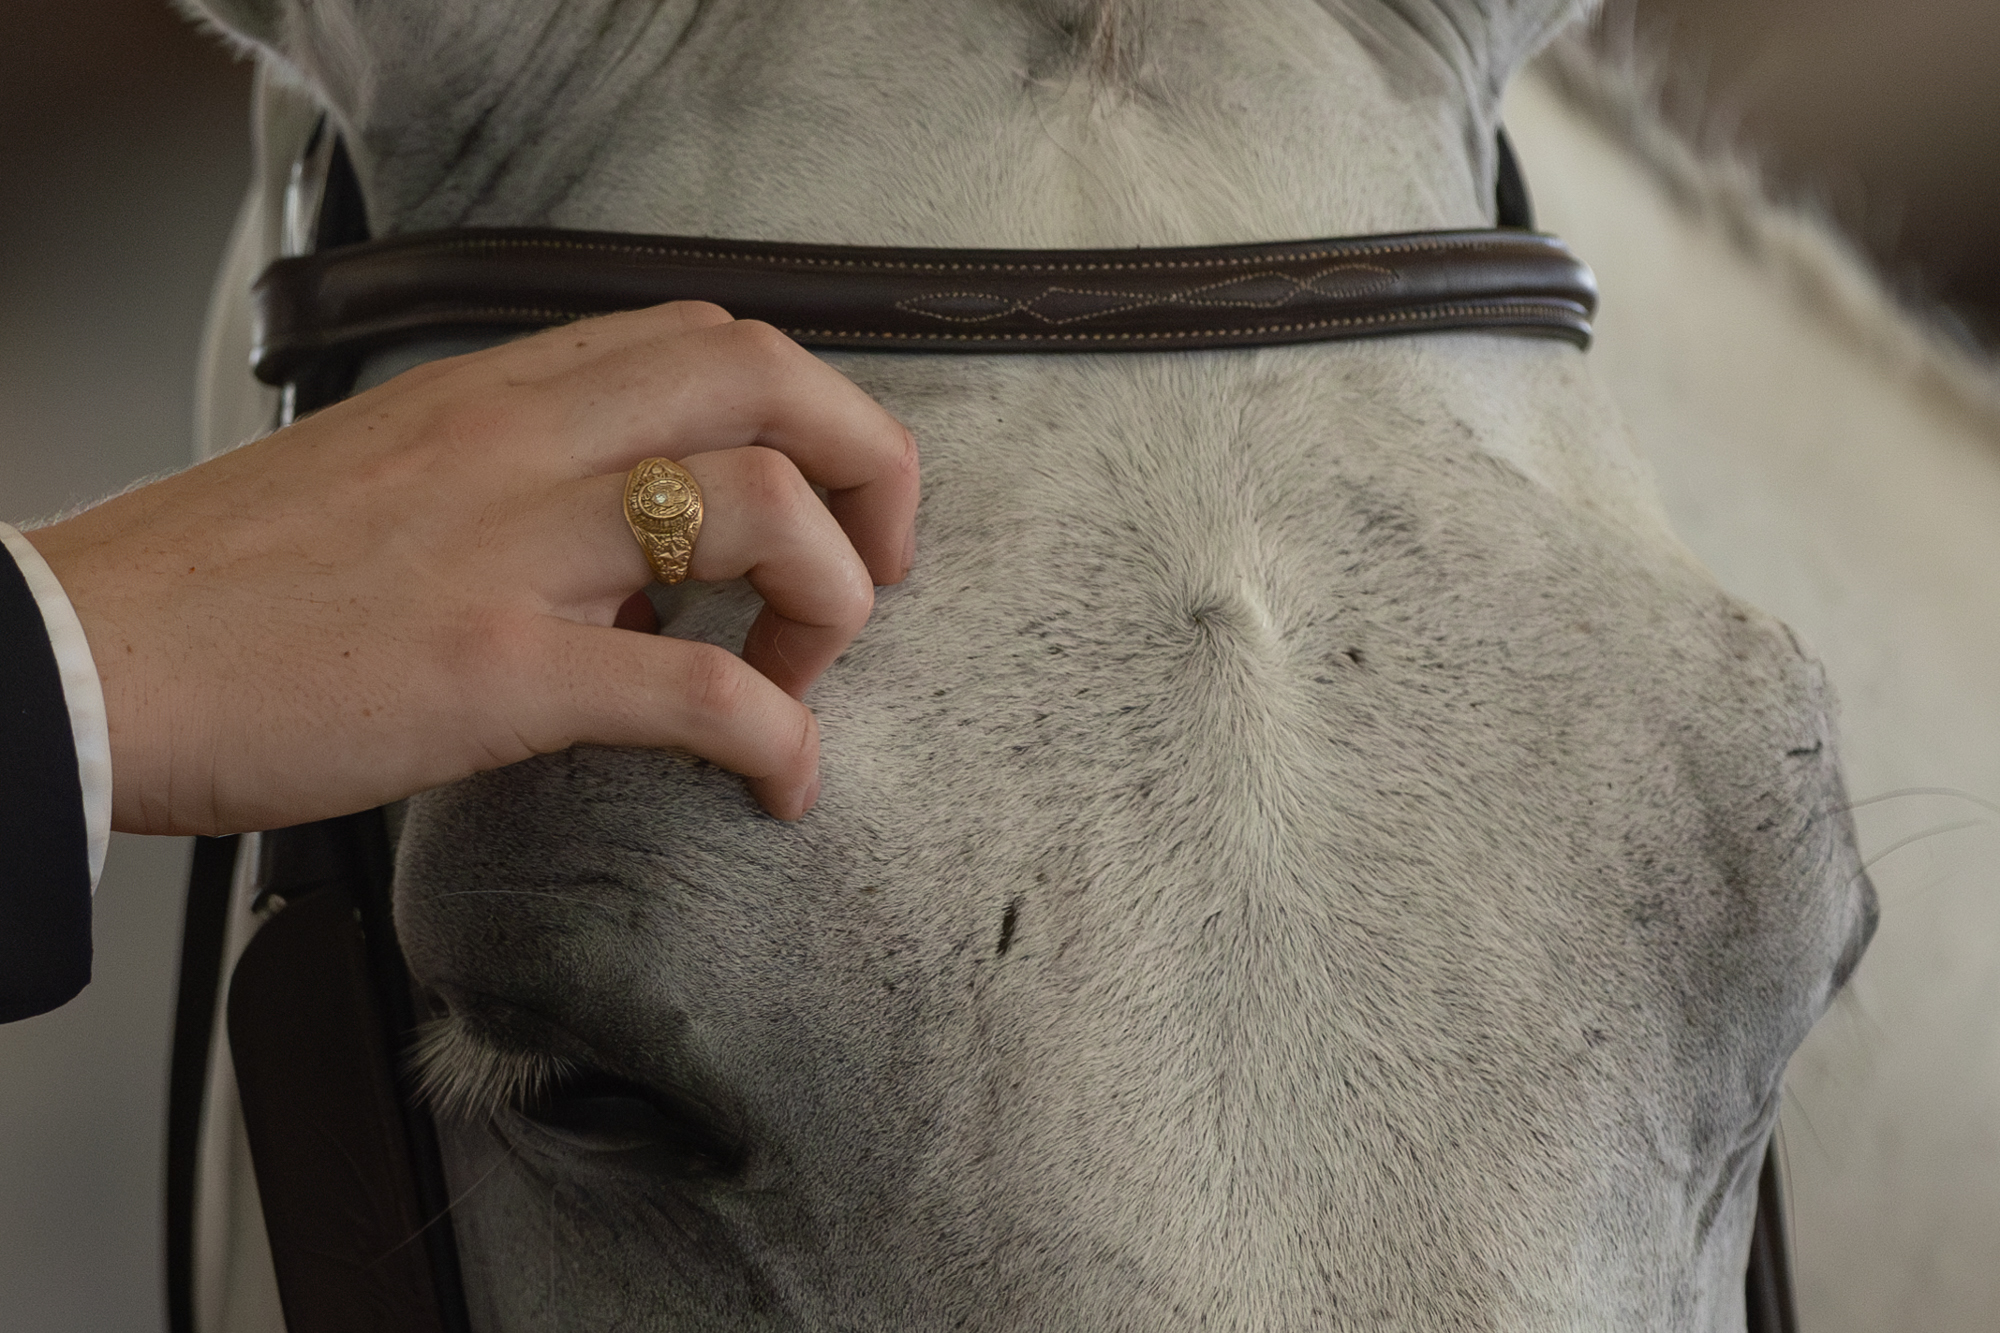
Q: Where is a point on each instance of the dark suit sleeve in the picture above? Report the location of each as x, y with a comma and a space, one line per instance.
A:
44, 844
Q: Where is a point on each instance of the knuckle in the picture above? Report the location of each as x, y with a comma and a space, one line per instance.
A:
774, 481
755, 339
907, 463
855, 600
806, 741
497, 669
699, 314
716, 684
499, 650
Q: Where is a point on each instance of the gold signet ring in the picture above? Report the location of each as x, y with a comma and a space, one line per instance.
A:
663, 505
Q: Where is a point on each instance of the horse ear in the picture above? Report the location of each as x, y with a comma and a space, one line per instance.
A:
1476, 44
1462, 52
1514, 30
253, 22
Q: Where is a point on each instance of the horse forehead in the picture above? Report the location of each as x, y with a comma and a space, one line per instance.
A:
1124, 708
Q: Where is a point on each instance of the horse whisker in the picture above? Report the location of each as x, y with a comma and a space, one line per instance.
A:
463, 1195
1901, 843
1955, 793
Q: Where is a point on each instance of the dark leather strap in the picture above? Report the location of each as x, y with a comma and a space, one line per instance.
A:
1768, 1303
204, 932
320, 1021
339, 304
341, 220
1513, 206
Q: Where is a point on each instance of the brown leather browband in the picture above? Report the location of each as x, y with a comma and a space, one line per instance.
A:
340, 304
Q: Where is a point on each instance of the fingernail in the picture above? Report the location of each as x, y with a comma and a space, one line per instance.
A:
809, 795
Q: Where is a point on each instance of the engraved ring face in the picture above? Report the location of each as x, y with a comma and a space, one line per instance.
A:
663, 506
663, 495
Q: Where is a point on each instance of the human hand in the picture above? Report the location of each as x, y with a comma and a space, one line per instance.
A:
422, 582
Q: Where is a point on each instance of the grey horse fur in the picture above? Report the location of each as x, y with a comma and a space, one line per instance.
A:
1306, 848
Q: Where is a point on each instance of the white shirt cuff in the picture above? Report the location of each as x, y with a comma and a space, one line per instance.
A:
82, 691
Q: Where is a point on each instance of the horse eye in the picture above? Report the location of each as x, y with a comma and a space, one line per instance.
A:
604, 1113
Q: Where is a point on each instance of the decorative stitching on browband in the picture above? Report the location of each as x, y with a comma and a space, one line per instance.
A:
820, 261
1132, 301
1555, 311
1384, 277
1003, 306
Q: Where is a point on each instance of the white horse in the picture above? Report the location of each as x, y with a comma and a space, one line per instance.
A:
1308, 847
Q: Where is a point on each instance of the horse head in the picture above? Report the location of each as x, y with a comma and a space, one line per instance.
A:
1307, 846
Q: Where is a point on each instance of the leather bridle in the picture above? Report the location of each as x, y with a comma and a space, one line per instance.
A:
320, 1008
334, 307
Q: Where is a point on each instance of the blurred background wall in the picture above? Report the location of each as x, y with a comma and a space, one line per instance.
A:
122, 154
1884, 112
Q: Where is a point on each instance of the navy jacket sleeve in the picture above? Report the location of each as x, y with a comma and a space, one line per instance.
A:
44, 844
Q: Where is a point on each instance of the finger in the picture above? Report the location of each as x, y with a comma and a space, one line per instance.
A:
763, 522
730, 385
615, 688
574, 547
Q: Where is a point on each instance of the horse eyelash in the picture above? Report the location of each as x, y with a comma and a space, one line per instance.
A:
463, 1078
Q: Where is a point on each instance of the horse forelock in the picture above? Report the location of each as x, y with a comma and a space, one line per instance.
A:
453, 108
